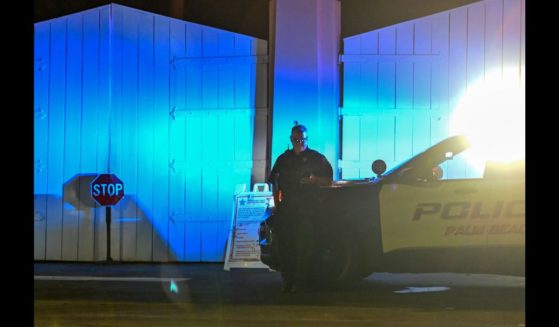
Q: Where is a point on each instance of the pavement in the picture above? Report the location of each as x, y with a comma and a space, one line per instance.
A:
139, 294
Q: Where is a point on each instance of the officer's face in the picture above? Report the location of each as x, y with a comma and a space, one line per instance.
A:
299, 141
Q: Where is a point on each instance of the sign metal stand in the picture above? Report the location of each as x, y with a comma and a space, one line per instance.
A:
108, 221
243, 250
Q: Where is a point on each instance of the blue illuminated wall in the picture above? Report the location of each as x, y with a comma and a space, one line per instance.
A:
401, 83
306, 74
176, 110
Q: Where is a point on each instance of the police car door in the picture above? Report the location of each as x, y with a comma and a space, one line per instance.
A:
474, 213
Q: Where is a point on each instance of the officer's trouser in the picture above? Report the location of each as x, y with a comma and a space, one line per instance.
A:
295, 233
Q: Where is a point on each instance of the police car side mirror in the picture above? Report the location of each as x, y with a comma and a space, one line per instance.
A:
378, 167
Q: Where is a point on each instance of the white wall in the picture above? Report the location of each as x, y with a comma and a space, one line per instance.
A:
177, 110
305, 36
401, 83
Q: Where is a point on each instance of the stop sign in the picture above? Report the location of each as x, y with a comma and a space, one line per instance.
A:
107, 189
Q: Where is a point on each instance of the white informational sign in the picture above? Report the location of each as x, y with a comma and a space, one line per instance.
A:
243, 250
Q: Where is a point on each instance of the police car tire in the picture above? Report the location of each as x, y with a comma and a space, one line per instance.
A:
337, 267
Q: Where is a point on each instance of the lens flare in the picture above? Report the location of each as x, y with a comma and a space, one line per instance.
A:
492, 116
173, 288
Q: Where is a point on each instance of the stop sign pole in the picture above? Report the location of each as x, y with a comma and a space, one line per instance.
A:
107, 190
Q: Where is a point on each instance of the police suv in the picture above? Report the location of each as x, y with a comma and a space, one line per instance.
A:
409, 219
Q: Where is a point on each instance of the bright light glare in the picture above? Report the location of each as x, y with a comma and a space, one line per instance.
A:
173, 288
491, 114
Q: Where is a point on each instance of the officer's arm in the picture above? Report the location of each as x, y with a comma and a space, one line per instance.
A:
273, 179
275, 192
325, 178
323, 175
321, 181
316, 180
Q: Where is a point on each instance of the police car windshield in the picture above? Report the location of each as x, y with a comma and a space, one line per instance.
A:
433, 156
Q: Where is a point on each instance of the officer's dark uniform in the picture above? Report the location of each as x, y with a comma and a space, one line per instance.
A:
294, 212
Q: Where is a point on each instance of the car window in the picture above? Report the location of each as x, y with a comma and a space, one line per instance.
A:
463, 166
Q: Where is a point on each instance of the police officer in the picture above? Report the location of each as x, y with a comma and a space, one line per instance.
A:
295, 177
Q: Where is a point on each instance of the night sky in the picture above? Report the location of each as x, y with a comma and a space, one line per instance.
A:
251, 17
